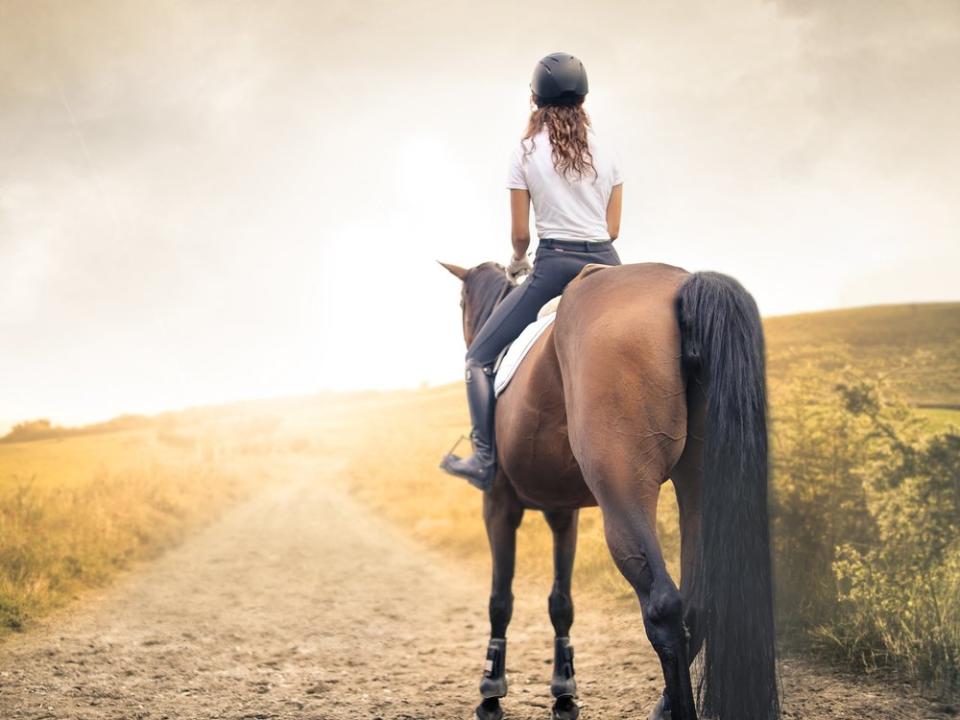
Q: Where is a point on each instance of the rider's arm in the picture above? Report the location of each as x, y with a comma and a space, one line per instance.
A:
520, 222
614, 206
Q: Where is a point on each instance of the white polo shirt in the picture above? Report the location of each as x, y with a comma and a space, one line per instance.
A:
565, 209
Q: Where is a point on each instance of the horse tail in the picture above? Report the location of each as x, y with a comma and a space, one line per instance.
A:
723, 350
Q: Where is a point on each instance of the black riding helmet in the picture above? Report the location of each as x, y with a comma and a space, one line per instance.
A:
559, 79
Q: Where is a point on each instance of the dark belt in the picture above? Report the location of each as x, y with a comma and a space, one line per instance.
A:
578, 245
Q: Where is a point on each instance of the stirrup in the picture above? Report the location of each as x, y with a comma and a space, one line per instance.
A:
481, 483
452, 448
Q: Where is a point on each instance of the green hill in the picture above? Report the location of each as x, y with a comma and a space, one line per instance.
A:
916, 346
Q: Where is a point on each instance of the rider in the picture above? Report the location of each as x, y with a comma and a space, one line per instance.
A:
576, 189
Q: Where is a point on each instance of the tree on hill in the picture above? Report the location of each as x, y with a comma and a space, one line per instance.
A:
31, 430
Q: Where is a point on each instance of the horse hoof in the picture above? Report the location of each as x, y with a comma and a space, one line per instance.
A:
489, 709
658, 713
566, 708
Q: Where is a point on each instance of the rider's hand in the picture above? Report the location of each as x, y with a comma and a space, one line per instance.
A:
518, 266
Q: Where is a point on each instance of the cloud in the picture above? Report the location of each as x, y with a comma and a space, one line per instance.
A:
201, 201
887, 90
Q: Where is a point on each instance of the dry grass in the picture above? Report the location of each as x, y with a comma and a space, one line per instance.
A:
394, 465
393, 456
394, 469
73, 512
76, 510
916, 346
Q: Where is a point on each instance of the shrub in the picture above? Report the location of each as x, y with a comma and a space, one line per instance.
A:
865, 516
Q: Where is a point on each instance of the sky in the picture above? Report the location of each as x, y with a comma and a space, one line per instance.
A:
206, 201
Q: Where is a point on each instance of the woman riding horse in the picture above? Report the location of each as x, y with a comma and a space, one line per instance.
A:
649, 373
575, 185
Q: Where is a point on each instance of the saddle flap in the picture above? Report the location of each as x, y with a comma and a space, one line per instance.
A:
518, 350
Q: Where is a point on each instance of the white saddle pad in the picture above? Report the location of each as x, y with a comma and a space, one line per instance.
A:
518, 351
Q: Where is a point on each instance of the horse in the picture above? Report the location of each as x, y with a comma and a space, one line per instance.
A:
648, 373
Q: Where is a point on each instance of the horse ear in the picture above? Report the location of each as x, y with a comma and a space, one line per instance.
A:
456, 270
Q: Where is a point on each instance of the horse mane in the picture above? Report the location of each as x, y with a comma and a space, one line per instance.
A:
483, 288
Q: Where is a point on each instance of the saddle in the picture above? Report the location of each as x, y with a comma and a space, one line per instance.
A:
512, 355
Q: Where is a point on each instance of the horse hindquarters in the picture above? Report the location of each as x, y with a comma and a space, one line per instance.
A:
618, 342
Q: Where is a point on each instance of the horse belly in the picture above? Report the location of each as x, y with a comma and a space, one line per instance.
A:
531, 431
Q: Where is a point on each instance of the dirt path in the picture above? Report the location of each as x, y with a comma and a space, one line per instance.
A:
300, 604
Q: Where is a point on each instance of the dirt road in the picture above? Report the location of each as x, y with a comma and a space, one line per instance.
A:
301, 604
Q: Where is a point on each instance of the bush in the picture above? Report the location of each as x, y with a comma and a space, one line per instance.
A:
865, 517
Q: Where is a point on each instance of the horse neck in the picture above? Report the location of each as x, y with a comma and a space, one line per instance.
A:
496, 296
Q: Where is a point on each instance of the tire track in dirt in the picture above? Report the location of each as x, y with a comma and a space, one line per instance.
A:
301, 604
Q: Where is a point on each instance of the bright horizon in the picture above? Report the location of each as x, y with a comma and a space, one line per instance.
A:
208, 203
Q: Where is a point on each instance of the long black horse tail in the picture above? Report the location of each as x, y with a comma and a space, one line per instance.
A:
723, 350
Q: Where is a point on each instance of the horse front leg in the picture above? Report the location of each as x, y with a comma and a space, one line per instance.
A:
563, 686
502, 514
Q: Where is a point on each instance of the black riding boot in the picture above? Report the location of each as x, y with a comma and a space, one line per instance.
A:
478, 469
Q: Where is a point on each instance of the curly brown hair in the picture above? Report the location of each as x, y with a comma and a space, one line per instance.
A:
567, 126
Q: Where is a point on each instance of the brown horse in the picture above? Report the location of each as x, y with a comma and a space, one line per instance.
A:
648, 373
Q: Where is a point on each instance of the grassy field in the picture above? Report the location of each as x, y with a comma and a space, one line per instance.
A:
836, 382
941, 419
444, 513
396, 473
916, 346
76, 509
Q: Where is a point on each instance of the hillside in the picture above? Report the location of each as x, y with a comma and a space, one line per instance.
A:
918, 346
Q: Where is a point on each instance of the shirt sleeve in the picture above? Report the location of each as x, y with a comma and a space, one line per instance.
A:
615, 173
516, 178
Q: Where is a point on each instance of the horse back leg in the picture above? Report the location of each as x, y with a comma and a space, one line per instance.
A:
688, 481
687, 478
629, 527
502, 514
625, 470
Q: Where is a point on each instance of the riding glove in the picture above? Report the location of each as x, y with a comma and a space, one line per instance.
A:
516, 268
